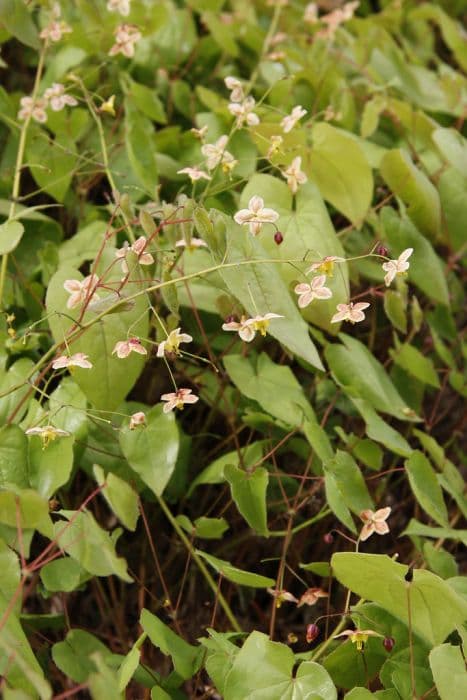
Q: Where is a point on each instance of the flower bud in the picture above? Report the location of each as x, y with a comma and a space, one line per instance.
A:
278, 237
382, 250
389, 643
328, 538
312, 631
230, 319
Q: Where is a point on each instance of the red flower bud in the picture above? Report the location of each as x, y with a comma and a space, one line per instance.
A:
328, 538
382, 250
278, 237
230, 318
312, 631
388, 643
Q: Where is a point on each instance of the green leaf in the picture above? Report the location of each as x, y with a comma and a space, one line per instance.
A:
17, 20
84, 245
249, 493
185, 657
51, 162
73, 655
139, 146
121, 498
210, 528
414, 528
273, 386
452, 187
65, 575
262, 670
336, 502
221, 33
104, 681
339, 167
439, 561
84, 540
10, 575
11, 233
17, 376
28, 507
50, 468
346, 666
361, 375
232, 573
415, 190
425, 486
262, 283
448, 668
453, 148
214, 472
411, 359
152, 450
395, 309
378, 578
13, 457
148, 102
111, 378
377, 429
128, 667
350, 482
67, 405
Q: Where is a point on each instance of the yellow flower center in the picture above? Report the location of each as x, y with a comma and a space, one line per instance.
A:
327, 267
261, 326
359, 639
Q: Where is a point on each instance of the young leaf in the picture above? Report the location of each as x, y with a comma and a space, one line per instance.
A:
411, 359
425, 486
11, 233
350, 482
232, 573
185, 657
122, 499
249, 493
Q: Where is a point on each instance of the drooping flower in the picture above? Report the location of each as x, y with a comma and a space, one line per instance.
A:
171, 345
374, 521
79, 359
199, 133
245, 330
55, 30
236, 88
124, 347
138, 247
256, 215
358, 637
275, 145
58, 98
33, 108
350, 312
291, 119
295, 175
325, 265
310, 16
216, 153
81, 290
194, 174
47, 434
282, 596
397, 267
334, 19
243, 112
261, 323
137, 419
192, 244
311, 596
316, 289
108, 107
120, 6
178, 399
126, 36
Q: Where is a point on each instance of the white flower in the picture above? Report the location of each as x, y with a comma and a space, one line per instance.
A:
79, 359
311, 13
256, 215
397, 267
178, 399
275, 145
261, 323
236, 87
325, 265
136, 419
192, 245
80, 290
215, 153
247, 327
138, 248
47, 433
350, 312
374, 522
124, 347
291, 119
55, 30
194, 174
244, 112
294, 175
58, 97
33, 108
120, 6
171, 345
314, 290
126, 36
199, 133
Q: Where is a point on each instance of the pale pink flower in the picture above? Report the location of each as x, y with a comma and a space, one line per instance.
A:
291, 119
138, 247
311, 13
256, 215
178, 399
199, 133
47, 434
58, 97
215, 153
243, 112
55, 30
295, 175
124, 347
282, 596
171, 345
316, 289
261, 323
137, 419
374, 522
278, 38
334, 19
194, 174
192, 245
350, 312
311, 596
236, 87
275, 145
126, 36
80, 291
33, 108
325, 265
245, 330
120, 6
397, 267
276, 55
358, 637
79, 359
